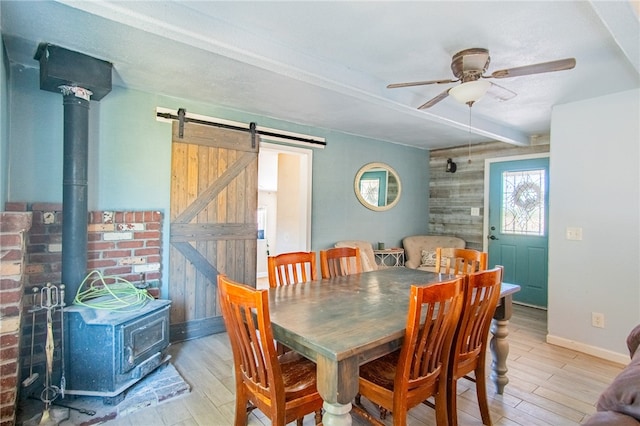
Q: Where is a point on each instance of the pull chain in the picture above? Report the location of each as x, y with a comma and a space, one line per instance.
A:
469, 137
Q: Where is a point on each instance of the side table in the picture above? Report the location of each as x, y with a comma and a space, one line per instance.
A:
390, 257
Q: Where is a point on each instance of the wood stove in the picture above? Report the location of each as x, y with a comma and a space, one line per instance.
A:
106, 351
112, 350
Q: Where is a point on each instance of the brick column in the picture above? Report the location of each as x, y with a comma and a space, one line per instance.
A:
13, 227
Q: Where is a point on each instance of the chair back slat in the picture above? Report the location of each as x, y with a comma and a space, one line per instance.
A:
246, 316
367, 257
481, 298
470, 343
283, 387
460, 261
339, 261
480, 314
292, 268
433, 314
419, 370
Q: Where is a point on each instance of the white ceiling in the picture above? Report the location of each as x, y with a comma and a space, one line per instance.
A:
327, 64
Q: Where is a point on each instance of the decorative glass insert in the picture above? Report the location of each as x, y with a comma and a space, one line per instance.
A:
369, 188
523, 195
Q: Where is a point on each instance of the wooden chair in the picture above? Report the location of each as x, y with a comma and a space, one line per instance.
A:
283, 388
367, 257
403, 379
470, 342
460, 261
292, 268
338, 261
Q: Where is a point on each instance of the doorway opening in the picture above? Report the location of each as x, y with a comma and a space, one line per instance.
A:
284, 203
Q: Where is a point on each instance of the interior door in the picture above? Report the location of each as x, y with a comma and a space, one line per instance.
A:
518, 225
213, 222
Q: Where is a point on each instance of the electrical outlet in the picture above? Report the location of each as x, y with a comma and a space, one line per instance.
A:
597, 319
475, 211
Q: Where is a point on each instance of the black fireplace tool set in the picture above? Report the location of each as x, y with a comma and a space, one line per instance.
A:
51, 300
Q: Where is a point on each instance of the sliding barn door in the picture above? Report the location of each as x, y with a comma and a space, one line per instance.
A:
213, 222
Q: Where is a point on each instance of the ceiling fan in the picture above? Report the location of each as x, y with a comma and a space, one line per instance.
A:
469, 66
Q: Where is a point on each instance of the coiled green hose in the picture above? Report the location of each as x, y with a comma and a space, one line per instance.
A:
120, 295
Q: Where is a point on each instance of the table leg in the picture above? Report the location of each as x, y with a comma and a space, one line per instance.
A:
499, 344
338, 385
336, 414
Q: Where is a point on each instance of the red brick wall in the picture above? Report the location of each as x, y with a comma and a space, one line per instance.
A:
123, 244
13, 228
120, 244
126, 244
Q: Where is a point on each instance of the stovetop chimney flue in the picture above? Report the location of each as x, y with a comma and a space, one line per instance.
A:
79, 78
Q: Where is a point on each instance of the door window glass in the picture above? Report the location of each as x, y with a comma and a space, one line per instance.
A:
523, 195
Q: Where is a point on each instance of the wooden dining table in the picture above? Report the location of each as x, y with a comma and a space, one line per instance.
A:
343, 322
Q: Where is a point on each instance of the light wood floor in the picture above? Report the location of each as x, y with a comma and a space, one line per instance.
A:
548, 385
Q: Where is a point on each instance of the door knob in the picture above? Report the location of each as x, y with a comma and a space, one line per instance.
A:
492, 237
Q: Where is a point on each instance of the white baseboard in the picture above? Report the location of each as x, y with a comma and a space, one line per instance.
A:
589, 350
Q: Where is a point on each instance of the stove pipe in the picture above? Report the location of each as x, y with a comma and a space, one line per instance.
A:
74, 189
79, 78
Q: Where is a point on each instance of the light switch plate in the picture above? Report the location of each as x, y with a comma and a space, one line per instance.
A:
574, 234
475, 211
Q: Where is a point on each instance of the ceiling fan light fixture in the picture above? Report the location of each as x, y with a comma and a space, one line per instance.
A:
470, 91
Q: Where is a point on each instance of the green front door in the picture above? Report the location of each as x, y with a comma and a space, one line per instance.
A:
518, 225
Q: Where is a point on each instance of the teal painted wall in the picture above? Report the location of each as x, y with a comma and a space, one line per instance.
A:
337, 213
130, 161
35, 140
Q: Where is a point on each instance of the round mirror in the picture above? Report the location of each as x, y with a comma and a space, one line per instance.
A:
377, 186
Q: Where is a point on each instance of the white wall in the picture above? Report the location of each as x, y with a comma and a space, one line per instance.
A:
290, 233
595, 185
267, 188
268, 200
267, 170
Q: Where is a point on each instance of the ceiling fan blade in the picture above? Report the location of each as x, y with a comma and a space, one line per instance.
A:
419, 83
435, 100
559, 65
500, 93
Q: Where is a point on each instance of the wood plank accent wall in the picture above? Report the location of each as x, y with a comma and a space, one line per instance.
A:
452, 195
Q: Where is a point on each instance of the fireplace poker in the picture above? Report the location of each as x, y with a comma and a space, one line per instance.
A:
63, 380
78, 409
48, 348
86, 411
32, 376
50, 392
